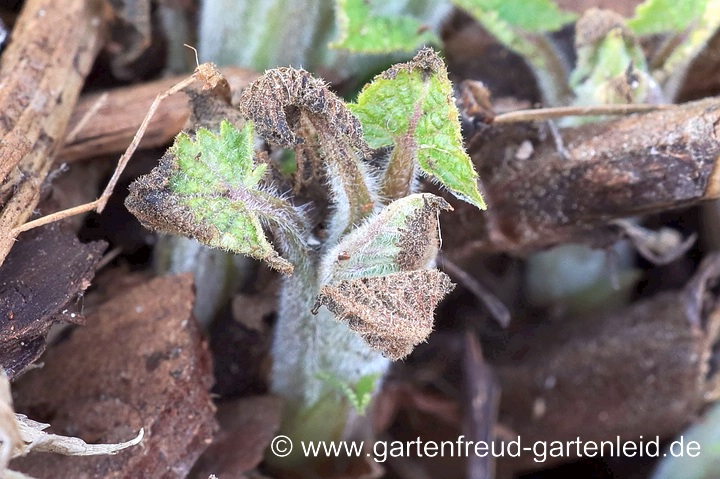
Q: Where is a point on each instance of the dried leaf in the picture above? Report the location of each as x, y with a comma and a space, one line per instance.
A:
210, 189
295, 110
393, 313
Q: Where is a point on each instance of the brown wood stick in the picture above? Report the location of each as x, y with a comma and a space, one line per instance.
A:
112, 126
639, 164
211, 78
52, 49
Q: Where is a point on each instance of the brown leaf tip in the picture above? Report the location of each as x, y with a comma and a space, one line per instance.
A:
276, 101
393, 313
420, 241
158, 209
426, 60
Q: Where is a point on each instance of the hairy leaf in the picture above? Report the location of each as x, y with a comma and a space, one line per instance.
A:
663, 16
364, 32
376, 278
404, 236
411, 107
295, 110
393, 313
209, 188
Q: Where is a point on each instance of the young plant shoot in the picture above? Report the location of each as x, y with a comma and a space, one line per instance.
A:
352, 235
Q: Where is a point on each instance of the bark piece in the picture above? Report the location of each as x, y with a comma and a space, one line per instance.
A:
111, 128
46, 270
140, 362
642, 371
635, 165
53, 46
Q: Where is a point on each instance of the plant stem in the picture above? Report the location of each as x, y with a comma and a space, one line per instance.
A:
306, 346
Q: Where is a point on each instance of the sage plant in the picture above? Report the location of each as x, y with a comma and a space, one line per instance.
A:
355, 240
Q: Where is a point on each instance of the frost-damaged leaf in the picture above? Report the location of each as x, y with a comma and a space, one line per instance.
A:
662, 16
375, 279
411, 107
404, 236
295, 110
522, 33
393, 313
363, 32
210, 189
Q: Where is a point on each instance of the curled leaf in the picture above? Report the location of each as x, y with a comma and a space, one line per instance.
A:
404, 236
295, 110
376, 278
410, 106
276, 100
393, 313
210, 189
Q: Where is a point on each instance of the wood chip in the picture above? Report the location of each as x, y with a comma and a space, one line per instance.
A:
140, 362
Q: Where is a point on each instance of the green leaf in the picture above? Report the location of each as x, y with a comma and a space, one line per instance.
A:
661, 16
611, 65
524, 35
404, 236
702, 29
411, 107
363, 32
377, 279
361, 395
534, 16
209, 188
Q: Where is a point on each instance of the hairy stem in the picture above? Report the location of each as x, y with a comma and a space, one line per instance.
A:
307, 346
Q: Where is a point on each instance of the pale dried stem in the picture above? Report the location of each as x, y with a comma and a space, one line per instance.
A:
87, 116
540, 114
